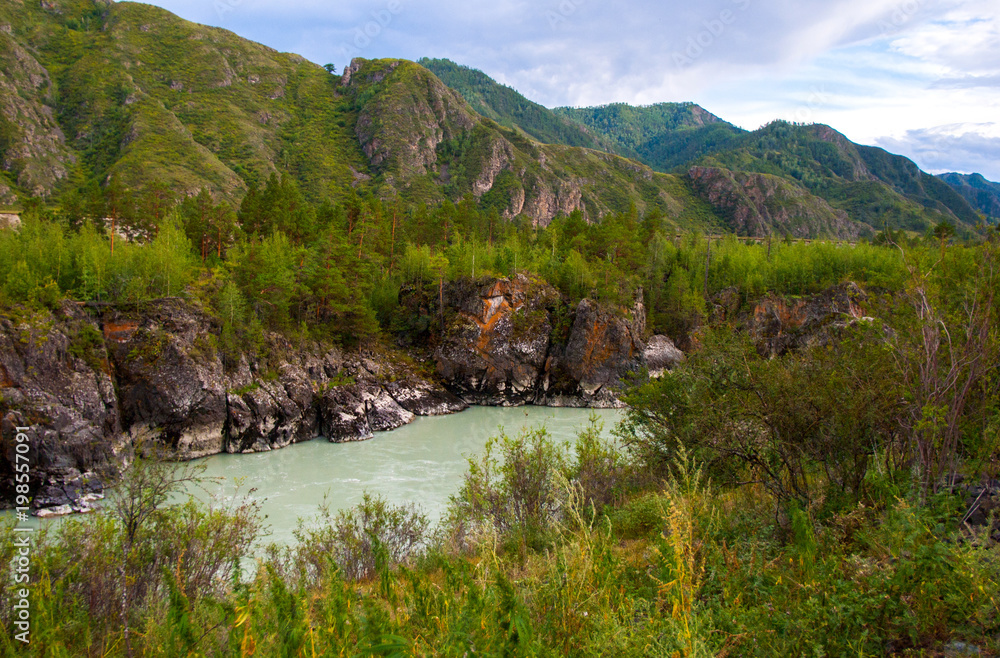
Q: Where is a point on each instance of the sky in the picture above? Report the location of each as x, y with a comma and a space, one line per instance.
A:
917, 77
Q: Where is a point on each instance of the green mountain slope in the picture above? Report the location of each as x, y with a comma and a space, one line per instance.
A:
984, 195
664, 135
873, 186
509, 108
143, 95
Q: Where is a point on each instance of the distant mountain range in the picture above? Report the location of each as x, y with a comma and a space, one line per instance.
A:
984, 195
93, 90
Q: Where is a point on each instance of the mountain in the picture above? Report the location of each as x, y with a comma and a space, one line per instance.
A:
823, 172
132, 91
100, 90
872, 186
664, 135
984, 195
94, 92
510, 109
424, 142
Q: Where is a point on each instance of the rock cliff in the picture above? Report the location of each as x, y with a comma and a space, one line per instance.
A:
95, 382
759, 205
513, 341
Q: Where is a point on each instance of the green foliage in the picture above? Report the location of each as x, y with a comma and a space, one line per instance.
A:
359, 543
515, 493
804, 425
88, 344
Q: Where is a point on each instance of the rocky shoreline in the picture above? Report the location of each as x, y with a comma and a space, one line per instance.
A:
93, 382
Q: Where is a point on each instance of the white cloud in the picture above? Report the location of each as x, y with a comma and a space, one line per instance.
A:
965, 148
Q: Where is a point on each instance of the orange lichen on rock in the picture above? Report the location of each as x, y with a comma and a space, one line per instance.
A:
119, 331
5, 380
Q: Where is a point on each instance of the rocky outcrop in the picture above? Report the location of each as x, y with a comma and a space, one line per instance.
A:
512, 342
8, 220
494, 350
603, 346
661, 355
55, 379
410, 112
779, 324
94, 384
759, 205
172, 387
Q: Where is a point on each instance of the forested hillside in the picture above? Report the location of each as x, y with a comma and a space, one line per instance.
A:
984, 195
868, 185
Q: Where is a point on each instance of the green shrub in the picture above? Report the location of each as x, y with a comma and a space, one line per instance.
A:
359, 542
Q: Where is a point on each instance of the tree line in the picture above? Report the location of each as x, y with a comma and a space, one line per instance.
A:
280, 261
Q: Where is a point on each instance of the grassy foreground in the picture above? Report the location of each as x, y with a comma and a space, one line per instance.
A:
546, 551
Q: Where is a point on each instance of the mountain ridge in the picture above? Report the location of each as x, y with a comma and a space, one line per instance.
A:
982, 194
96, 93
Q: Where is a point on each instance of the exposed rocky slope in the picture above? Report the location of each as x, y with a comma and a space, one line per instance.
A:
759, 205
871, 185
33, 147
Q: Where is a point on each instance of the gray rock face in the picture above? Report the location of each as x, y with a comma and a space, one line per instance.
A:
172, 388
55, 379
761, 205
499, 348
94, 385
603, 346
661, 355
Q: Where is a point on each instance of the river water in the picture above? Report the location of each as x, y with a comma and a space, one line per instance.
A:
423, 462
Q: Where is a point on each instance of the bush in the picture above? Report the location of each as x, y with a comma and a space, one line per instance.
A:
359, 542
516, 493
805, 425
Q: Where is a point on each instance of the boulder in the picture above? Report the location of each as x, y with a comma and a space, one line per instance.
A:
661, 355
